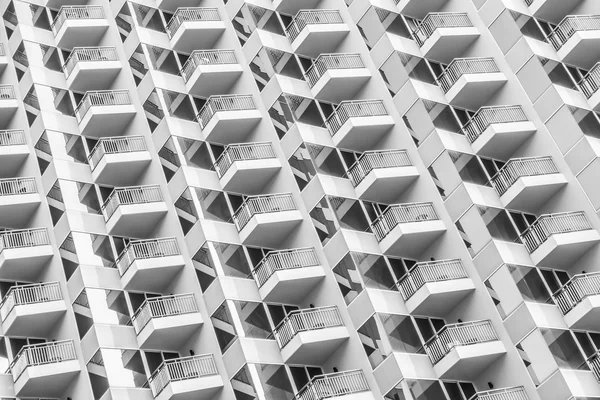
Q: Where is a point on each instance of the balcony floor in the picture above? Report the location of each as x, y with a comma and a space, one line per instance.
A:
386, 184
291, 285
93, 75
552, 10
337, 85
411, 239
11, 159
291, 7
270, 229
169, 333
202, 388
49, 380
24, 264
8, 108
122, 169
561, 249
314, 347
197, 35
529, 193
419, 8
362, 133
208, 80
472, 91
16, 210
582, 49
250, 176
136, 220
81, 32
502, 140
439, 298
445, 44
585, 315
33, 319
152, 274
104, 121
465, 362
229, 127
317, 39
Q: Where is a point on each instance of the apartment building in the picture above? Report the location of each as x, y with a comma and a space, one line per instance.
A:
300, 199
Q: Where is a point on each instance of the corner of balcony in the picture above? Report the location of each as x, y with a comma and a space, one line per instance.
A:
193, 28
314, 32
228, 119
3, 58
345, 385
291, 7
512, 393
577, 40
210, 72
444, 36
105, 112
89, 68
79, 25
8, 103
19, 198
551, 10
558, 239
119, 160
13, 150
23, 253
337, 77
579, 301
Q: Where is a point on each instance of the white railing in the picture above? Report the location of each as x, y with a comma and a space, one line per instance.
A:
280, 260
461, 334
434, 21
326, 62
551, 224
513, 393
378, 159
463, 66
16, 186
594, 363
161, 307
101, 98
216, 104
42, 354
115, 145
83, 54
2, 51
130, 196
76, 12
576, 289
181, 369
311, 17
146, 249
16, 239
207, 57
520, 167
269, 203
570, 25
402, 214
487, 116
12, 137
306, 320
590, 83
7, 92
431, 271
29, 294
185, 14
333, 385
243, 152
354, 109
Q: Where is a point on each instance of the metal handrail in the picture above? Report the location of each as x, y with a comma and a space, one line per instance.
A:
550, 224
161, 307
115, 145
145, 249
378, 159
84, 54
17, 239
570, 25
207, 57
216, 104
486, 116
353, 109
261, 205
185, 14
327, 386
576, 289
29, 294
463, 66
76, 12
17, 186
311, 17
181, 369
243, 152
12, 137
517, 168
309, 319
130, 196
430, 271
461, 334
42, 354
401, 214
434, 21
102, 98
590, 83
512, 393
280, 260
326, 62
7, 92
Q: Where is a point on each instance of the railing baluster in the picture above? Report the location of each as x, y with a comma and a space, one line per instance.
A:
311, 17
115, 145
243, 152
165, 306
400, 214
306, 320
462, 66
185, 14
434, 21
262, 204
550, 224
181, 369
130, 196
325, 62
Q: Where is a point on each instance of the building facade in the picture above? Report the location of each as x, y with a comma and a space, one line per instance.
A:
300, 199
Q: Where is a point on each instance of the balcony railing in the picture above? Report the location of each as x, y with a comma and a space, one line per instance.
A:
513, 393
281, 260
216, 104
463, 66
101, 98
181, 369
269, 203
519, 167
371, 160
131, 196
115, 145
402, 214
16, 186
243, 152
12, 137
76, 12
576, 289
42, 354
29, 294
7, 92
337, 384
2, 51
434, 21
487, 116
428, 272
185, 14
461, 334
146, 249
161, 307
570, 25
354, 109
306, 320
207, 57
594, 363
591, 82
529, 2
17, 239
311, 17
83, 54
326, 62
551, 224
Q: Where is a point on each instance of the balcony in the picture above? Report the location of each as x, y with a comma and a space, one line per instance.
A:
314, 32
498, 131
460, 351
579, 301
443, 36
209, 72
45, 369
19, 198
471, 82
194, 377
32, 310
104, 113
91, 68
228, 119
288, 275
23, 253
8, 103
551, 10
557, 239
149, 265
525, 184
513, 393
119, 160
13, 150
337, 77
134, 211
193, 28
247, 168
589, 86
419, 8
166, 322
3, 58
347, 385
359, 124
311, 336
382, 175
407, 229
79, 26
267, 220
291, 7
577, 40
435, 287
